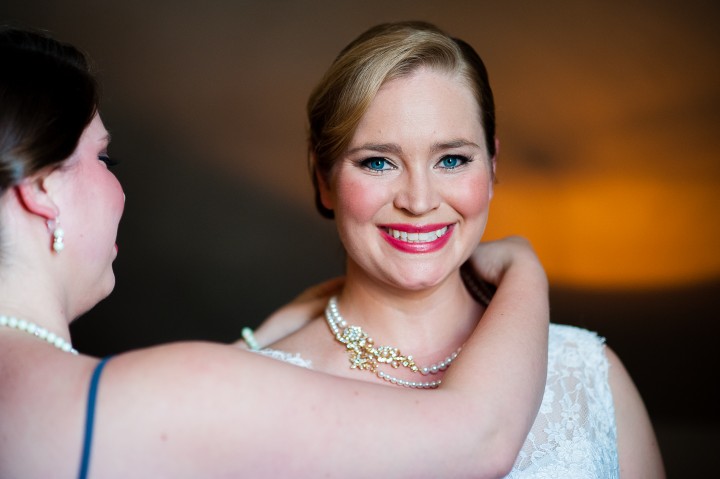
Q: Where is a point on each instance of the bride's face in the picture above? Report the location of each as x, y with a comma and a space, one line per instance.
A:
412, 191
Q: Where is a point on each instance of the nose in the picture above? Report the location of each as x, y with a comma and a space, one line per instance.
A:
417, 193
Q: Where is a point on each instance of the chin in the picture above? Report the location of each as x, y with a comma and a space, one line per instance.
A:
105, 288
418, 281
110, 286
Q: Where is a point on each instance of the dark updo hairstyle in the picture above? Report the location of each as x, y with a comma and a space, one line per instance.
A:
381, 54
48, 96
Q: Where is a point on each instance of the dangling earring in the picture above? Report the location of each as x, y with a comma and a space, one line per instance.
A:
58, 235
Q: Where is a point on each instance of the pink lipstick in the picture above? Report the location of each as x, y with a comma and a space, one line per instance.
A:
417, 238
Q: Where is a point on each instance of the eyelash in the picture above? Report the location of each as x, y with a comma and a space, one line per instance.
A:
107, 160
367, 164
460, 161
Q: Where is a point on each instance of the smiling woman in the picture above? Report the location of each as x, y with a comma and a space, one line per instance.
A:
438, 173
402, 149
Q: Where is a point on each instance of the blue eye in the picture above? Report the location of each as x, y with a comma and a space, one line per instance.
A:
107, 160
451, 162
376, 164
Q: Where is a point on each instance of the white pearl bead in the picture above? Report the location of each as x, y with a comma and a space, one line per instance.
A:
35, 330
358, 341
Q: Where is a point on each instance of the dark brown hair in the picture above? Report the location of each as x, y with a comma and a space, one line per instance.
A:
48, 96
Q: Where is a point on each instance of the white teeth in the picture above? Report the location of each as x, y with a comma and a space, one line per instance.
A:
427, 236
417, 237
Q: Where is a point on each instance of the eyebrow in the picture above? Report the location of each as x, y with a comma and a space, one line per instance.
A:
395, 149
454, 144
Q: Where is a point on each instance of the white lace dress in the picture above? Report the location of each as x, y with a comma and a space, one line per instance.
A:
574, 434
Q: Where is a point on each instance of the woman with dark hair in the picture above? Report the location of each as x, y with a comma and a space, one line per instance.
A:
403, 155
192, 409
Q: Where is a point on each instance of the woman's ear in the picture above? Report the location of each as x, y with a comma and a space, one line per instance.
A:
33, 196
324, 191
493, 164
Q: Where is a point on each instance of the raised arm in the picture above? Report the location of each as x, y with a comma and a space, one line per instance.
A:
191, 410
507, 354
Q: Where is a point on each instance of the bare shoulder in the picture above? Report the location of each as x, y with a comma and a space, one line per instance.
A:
42, 404
182, 410
638, 450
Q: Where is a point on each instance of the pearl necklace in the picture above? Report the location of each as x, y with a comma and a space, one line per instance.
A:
35, 330
365, 356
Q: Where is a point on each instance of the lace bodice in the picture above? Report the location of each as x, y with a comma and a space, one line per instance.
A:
295, 359
574, 433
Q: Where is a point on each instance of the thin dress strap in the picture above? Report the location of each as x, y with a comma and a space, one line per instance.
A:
90, 418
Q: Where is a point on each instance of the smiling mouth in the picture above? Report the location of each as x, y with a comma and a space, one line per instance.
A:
415, 237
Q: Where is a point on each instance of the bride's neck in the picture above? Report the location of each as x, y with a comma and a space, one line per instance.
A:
425, 323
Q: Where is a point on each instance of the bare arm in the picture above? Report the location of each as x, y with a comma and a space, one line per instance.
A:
638, 450
198, 410
191, 410
510, 343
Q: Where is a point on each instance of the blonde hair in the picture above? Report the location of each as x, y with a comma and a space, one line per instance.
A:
383, 53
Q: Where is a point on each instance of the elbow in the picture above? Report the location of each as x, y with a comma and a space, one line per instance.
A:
504, 464
502, 461
494, 457
491, 445
488, 462
490, 467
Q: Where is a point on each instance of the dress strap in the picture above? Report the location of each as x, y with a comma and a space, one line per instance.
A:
249, 338
90, 418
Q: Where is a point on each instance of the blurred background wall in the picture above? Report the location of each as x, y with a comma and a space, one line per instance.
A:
609, 121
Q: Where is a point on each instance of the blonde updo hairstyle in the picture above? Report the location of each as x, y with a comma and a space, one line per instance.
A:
381, 54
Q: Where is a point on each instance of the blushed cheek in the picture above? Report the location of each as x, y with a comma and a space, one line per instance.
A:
357, 201
473, 198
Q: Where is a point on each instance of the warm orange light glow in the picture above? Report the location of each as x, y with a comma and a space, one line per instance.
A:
614, 232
